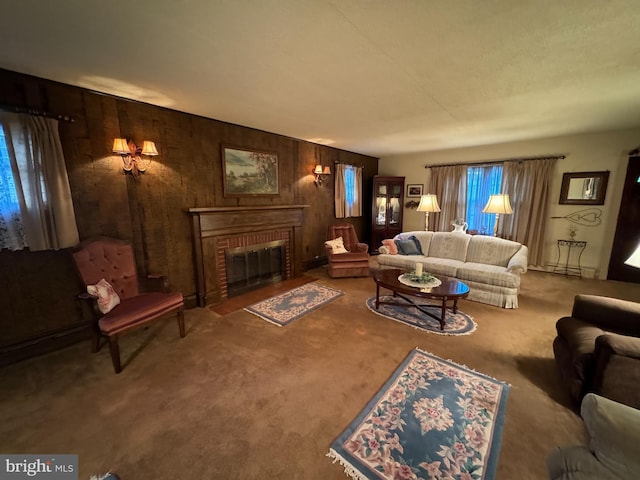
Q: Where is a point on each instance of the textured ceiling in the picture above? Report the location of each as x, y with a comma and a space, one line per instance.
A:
375, 77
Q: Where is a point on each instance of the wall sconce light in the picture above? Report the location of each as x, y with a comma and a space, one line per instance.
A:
132, 161
320, 173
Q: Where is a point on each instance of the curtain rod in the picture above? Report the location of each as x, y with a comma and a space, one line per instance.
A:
350, 164
38, 113
496, 162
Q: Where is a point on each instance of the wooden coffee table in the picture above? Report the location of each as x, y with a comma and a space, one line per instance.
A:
450, 290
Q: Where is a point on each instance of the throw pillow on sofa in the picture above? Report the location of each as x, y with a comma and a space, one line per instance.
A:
410, 246
392, 249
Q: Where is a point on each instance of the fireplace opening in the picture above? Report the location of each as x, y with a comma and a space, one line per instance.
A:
255, 266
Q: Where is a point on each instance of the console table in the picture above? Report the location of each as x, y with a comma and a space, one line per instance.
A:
569, 264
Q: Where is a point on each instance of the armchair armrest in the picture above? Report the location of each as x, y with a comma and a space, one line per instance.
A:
518, 263
620, 316
614, 430
362, 247
617, 368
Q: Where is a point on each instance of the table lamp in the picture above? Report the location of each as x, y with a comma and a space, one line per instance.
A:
498, 204
634, 259
428, 203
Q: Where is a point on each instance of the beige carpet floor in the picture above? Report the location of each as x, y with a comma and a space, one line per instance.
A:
240, 398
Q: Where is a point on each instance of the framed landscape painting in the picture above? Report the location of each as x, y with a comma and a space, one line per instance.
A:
414, 190
249, 172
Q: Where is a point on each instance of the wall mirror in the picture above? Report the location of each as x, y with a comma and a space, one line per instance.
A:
584, 188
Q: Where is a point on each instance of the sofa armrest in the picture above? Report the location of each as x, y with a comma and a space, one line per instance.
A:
518, 263
613, 314
617, 368
614, 430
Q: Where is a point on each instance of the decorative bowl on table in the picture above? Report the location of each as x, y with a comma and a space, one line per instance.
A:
426, 280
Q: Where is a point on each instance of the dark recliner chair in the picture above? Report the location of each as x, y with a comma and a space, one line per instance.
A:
353, 263
598, 349
140, 302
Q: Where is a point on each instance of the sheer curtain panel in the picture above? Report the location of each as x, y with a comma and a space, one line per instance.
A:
528, 183
40, 180
449, 184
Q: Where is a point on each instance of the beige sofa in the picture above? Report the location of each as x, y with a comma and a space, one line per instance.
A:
490, 266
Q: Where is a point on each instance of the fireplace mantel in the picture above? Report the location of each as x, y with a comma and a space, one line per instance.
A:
214, 229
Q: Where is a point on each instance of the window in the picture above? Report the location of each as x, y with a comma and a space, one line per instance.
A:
11, 230
35, 199
348, 191
349, 182
482, 181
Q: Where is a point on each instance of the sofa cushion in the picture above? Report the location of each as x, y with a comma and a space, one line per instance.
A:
491, 250
441, 266
406, 262
449, 245
410, 246
490, 274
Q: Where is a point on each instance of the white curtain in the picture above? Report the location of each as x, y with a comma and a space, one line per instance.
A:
528, 183
449, 184
348, 191
41, 181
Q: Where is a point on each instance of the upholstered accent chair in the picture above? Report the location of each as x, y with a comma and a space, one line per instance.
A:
612, 453
598, 349
354, 262
120, 299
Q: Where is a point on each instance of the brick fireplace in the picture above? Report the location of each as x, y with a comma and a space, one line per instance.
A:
218, 232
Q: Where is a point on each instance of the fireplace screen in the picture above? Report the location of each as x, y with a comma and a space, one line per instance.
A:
254, 266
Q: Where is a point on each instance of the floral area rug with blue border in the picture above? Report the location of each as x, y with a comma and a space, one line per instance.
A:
455, 323
431, 419
293, 304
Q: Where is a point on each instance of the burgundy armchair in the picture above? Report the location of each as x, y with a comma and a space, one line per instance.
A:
113, 261
355, 261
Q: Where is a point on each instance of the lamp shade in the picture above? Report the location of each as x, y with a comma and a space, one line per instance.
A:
120, 146
428, 203
498, 204
318, 170
149, 148
327, 170
634, 259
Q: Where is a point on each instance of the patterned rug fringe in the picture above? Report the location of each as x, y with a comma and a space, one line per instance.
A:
462, 365
265, 318
437, 332
348, 468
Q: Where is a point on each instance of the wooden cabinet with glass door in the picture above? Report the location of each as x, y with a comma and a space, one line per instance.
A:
386, 214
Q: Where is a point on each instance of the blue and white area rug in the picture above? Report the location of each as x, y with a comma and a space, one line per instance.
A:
289, 306
455, 324
431, 419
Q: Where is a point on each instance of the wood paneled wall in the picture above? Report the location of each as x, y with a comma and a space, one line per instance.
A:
150, 211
